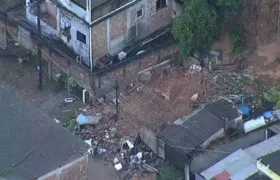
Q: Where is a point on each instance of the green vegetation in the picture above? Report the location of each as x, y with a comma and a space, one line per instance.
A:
72, 83
237, 39
4, 173
271, 94
196, 27
169, 172
199, 24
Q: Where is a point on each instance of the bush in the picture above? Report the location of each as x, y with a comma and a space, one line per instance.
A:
236, 36
169, 172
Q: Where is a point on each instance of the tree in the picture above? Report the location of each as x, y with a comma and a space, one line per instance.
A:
196, 27
199, 23
226, 9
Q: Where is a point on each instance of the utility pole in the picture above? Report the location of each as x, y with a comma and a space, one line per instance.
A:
117, 101
40, 85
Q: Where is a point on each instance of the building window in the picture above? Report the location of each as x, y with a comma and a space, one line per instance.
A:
139, 13
160, 4
81, 37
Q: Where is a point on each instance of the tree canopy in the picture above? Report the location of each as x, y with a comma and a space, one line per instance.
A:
197, 26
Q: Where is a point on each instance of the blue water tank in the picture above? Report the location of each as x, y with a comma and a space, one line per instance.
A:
246, 110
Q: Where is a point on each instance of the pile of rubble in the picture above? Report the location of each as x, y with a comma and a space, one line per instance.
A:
231, 83
129, 157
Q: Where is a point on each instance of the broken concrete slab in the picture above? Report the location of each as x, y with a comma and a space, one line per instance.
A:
145, 76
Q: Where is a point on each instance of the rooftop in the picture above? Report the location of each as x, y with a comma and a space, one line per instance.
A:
272, 160
242, 163
211, 158
258, 176
101, 7
209, 119
94, 3
32, 144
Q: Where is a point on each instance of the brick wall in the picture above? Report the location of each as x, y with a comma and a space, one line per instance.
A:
99, 40
130, 71
118, 25
111, 33
151, 20
157, 19
77, 170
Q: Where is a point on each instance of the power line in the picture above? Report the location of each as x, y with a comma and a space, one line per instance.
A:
159, 130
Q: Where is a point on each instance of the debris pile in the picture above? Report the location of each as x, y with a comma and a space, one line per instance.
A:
231, 83
129, 157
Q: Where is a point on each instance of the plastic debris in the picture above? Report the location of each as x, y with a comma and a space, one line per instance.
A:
139, 155
127, 145
89, 142
194, 97
56, 120
69, 100
118, 166
116, 160
195, 68
87, 120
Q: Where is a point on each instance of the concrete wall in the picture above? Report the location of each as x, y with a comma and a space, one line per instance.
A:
33, 19
114, 30
75, 170
149, 138
79, 47
79, 11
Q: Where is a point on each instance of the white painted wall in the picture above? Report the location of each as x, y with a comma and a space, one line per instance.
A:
45, 27
79, 47
82, 13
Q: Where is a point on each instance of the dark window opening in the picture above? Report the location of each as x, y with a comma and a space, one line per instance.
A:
139, 13
160, 4
81, 37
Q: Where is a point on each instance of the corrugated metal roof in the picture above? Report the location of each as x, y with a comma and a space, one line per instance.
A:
211, 157
200, 126
272, 160
242, 163
32, 144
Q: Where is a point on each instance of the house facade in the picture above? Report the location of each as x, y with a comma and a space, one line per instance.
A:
96, 28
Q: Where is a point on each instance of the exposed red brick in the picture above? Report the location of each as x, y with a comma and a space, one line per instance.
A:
118, 25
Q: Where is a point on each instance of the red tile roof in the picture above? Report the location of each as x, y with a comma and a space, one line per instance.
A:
224, 175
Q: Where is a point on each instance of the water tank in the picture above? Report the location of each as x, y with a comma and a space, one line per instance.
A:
254, 124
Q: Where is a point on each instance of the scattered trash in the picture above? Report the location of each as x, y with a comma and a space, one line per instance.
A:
139, 155
118, 166
88, 120
89, 142
113, 132
195, 68
127, 145
115, 101
116, 160
56, 120
107, 136
194, 97
69, 100
166, 95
